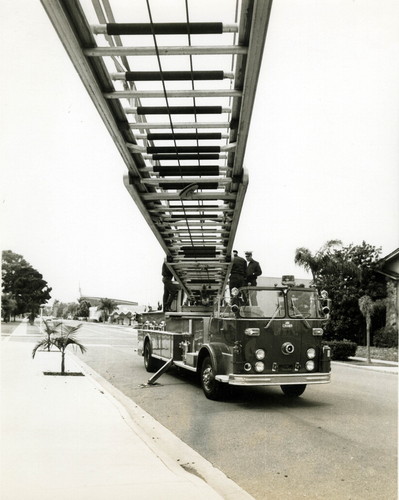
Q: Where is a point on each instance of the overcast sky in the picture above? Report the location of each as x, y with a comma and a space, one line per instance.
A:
322, 155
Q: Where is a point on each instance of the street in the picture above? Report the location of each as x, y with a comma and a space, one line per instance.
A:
337, 441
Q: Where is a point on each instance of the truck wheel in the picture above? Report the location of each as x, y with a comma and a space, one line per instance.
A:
293, 391
149, 361
211, 387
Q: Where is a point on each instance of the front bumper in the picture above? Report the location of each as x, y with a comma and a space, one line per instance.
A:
275, 379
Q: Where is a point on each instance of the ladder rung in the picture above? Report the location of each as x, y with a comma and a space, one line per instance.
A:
199, 281
164, 28
194, 28
165, 157
187, 170
210, 264
157, 94
176, 211
183, 232
179, 125
196, 226
182, 136
179, 110
157, 76
184, 181
182, 149
195, 196
173, 50
200, 251
192, 216
180, 185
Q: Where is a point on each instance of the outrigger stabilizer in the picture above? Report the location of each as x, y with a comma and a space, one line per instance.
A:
161, 371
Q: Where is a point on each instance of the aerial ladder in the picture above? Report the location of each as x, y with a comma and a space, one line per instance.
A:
177, 100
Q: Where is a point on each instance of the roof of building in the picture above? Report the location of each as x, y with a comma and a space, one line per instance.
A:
271, 281
96, 300
389, 265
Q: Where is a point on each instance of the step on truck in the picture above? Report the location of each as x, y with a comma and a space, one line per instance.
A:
260, 336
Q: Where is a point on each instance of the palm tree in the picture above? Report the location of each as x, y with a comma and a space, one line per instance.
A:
108, 306
50, 329
314, 263
64, 338
367, 307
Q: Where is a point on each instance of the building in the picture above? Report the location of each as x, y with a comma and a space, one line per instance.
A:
271, 281
389, 267
125, 311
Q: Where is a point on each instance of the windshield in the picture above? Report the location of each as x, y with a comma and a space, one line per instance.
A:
302, 303
262, 303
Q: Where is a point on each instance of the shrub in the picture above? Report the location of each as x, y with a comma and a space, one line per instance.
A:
386, 337
341, 349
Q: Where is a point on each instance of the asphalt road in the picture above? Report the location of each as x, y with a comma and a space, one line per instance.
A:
337, 441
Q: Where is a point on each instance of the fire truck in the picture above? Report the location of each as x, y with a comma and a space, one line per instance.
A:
260, 336
174, 84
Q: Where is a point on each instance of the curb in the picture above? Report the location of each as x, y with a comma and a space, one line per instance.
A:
384, 369
381, 361
176, 454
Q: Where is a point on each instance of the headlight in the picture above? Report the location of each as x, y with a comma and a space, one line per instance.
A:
309, 365
252, 332
311, 353
260, 354
259, 366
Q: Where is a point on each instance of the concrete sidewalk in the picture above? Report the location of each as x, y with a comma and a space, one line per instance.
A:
69, 438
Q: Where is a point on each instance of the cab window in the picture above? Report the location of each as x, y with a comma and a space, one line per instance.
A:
302, 304
262, 303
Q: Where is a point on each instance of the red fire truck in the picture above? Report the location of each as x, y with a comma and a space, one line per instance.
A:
261, 336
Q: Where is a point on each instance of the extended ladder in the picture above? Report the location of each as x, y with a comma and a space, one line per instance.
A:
177, 100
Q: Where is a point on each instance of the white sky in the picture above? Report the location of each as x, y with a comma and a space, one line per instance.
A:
322, 154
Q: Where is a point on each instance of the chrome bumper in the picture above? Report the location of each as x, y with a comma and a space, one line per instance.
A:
275, 379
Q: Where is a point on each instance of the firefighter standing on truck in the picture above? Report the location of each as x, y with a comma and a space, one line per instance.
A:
253, 269
170, 287
238, 274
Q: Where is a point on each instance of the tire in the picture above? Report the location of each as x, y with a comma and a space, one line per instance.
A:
149, 362
293, 391
211, 387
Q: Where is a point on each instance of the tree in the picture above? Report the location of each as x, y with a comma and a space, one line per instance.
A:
8, 306
65, 309
50, 329
317, 262
366, 307
83, 310
108, 306
10, 263
65, 338
24, 283
347, 273
71, 311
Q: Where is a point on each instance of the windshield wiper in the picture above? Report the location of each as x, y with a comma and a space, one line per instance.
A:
296, 310
274, 315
